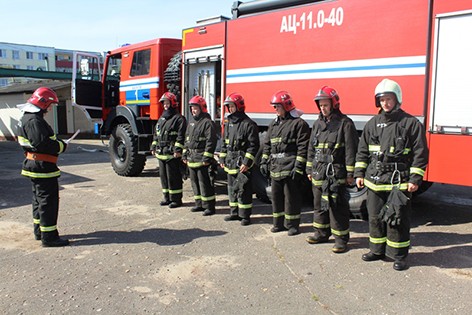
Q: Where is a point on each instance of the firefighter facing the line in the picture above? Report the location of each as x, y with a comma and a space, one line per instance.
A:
391, 161
167, 146
284, 161
238, 150
42, 148
331, 157
199, 149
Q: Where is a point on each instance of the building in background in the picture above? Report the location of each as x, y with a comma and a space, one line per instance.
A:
33, 62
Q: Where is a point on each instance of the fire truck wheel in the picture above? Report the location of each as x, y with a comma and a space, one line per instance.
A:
124, 152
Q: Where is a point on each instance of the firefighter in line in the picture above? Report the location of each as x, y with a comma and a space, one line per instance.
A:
167, 146
284, 161
391, 161
238, 150
199, 149
331, 157
42, 147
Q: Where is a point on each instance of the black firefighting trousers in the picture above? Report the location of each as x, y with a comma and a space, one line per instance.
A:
240, 200
45, 207
203, 188
336, 220
286, 202
383, 238
171, 179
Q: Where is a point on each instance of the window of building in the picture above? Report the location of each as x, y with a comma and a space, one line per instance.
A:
16, 67
15, 54
3, 82
29, 55
3, 53
141, 62
42, 56
29, 68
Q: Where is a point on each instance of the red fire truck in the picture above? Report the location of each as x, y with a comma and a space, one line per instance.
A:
300, 46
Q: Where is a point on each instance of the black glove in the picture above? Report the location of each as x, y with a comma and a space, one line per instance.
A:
296, 176
264, 170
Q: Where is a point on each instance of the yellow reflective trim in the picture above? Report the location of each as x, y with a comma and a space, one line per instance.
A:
233, 204
249, 156
208, 154
164, 157
292, 216
398, 244
208, 198
231, 171
165, 191
320, 226
227, 140
276, 140
245, 206
309, 164
350, 168
316, 182
301, 159
35, 221
374, 148
175, 191
384, 187
61, 146
40, 175
265, 156
195, 164
360, 165
223, 154
278, 214
416, 170
48, 228
179, 145
339, 233
197, 197
377, 240
279, 174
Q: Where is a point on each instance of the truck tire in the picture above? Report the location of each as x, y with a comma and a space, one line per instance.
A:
172, 76
124, 152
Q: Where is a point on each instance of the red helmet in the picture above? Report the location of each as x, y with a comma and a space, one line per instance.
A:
170, 97
282, 97
43, 97
327, 93
237, 99
200, 102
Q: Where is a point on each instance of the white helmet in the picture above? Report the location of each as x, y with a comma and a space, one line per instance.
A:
387, 86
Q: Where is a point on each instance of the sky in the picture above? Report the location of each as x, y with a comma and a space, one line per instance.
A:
101, 25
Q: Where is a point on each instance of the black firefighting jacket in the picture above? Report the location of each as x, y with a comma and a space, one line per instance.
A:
240, 142
285, 146
170, 135
36, 136
200, 141
392, 151
332, 149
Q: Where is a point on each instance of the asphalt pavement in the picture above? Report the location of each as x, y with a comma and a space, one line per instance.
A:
129, 255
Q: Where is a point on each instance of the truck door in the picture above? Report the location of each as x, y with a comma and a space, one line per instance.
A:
450, 111
202, 76
87, 86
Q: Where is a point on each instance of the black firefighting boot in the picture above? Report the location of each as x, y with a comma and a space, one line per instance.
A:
166, 200
400, 264
340, 244
37, 232
175, 204
278, 224
320, 236
52, 239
